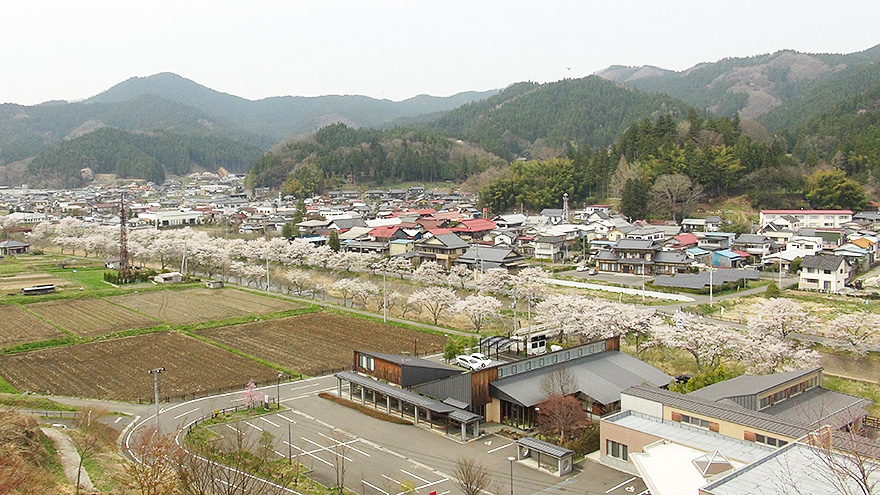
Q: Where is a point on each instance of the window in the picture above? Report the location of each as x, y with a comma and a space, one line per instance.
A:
765, 402
700, 423
773, 442
365, 362
617, 450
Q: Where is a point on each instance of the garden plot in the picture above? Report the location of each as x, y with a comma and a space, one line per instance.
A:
90, 317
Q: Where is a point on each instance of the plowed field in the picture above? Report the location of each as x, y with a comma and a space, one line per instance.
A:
319, 341
117, 369
88, 317
181, 307
17, 326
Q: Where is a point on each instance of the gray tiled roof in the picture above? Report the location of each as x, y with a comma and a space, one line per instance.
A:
822, 261
451, 241
723, 412
748, 385
819, 406
544, 447
636, 244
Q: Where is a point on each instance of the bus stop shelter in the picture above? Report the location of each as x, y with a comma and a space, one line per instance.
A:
545, 455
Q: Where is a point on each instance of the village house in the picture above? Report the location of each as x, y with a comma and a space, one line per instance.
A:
822, 272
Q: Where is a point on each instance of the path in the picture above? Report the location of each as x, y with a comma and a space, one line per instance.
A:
69, 458
621, 290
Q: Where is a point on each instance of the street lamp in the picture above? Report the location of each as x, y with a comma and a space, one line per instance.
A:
278, 391
511, 459
155, 372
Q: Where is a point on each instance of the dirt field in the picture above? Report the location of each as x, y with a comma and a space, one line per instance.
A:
320, 341
15, 283
89, 317
181, 307
19, 327
117, 369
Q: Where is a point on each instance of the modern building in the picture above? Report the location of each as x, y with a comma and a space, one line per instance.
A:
823, 272
814, 219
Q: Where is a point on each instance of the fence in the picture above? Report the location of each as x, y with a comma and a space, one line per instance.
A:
234, 388
54, 414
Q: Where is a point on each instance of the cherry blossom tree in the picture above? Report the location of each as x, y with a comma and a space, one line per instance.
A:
437, 300
479, 309
458, 275
429, 272
856, 332
573, 315
345, 287
706, 341
400, 266
361, 290
781, 316
494, 280
251, 396
320, 256
766, 354
299, 281
39, 235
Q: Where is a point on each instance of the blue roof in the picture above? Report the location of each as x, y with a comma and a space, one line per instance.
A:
727, 253
697, 251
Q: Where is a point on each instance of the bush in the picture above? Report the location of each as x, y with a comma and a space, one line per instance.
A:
586, 442
772, 290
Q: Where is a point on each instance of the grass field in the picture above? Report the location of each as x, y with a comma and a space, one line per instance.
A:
117, 369
90, 317
319, 341
19, 327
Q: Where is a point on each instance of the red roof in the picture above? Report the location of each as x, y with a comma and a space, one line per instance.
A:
686, 239
440, 231
742, 254
475, 225
809, 212
384, 231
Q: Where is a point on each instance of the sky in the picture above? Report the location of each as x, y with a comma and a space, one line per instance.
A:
394, 49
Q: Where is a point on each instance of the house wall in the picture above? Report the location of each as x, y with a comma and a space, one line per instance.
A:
635, 441
815, 279
725, 428
382, 369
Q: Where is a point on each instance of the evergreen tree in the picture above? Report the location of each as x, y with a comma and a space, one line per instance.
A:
634, 199
334, 241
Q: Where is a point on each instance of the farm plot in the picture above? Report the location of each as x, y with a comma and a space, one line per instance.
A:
181, 307
315, 342
20, 327
15, 283
89, 317
117, 369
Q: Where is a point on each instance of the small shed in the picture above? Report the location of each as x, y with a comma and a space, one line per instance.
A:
169, 278
214, 284
14, 247
553, 458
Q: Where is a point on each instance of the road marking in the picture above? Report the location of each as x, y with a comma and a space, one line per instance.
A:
234, 428
374, 487
445, 493
620, 485
327, 448
237, 400
499, 448
282, 455
285, 417
306, 386
423, 480
276, 425
346, 443
309, 454
391, 479
645, 492
188, 412
120, 419
253, 426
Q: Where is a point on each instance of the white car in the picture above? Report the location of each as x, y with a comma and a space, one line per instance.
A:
482, 358
469, 362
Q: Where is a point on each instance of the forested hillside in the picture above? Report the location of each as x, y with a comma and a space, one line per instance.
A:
147, 155
526, 116
340, 153
751, 86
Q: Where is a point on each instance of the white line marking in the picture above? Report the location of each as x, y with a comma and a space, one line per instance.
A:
445, 493
305, 386
348, 443
253, 426
499, 448
188, 412
234, 428
644, 492
120, 419
237, 400
276, 425
374, 487
620, 485
337, 454
282, 455
391, 479
310, 454
285, 417
423, 480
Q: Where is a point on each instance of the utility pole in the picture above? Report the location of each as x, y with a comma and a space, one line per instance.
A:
384, 295
155, 372
124, 265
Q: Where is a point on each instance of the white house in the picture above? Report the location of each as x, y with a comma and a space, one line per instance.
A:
814, 219
827, 273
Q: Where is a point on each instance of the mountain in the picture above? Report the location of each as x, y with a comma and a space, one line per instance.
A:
283, 116
527, 116
752, 86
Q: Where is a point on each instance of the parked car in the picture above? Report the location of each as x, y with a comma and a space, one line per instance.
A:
592, 271
471, 363
582, 268
482, 358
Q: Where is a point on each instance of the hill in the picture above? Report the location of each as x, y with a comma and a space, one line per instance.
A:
524, 117
751, 86
283, 116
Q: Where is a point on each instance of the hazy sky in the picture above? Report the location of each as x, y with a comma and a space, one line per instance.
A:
392, 48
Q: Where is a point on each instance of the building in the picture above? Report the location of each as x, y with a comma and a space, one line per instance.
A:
550, 247
442, 248
172, 218
814, 219
482, 258
12, 247
823, 272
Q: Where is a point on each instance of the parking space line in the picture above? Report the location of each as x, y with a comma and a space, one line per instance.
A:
285, 417
234, 428
276, 425
188, 412
118, 420
423, 480
253, 426
430, 483
306, 386
645, 492
282, 455
309, 454
499, 448
374, 487
327, 448
620, 485
391, 479
348, 444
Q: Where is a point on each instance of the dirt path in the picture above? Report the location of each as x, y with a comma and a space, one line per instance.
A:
69, 458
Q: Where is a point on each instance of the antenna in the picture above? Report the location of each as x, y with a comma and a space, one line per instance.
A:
566, 215
124, 265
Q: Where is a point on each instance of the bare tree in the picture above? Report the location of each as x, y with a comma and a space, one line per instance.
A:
471, 475
85, 439
675, 194
560, 381
562, 415
847, 460
154, 470
340, 450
